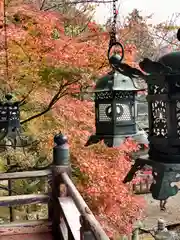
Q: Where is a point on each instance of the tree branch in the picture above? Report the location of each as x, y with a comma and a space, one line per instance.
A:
77, 2
19, 45
23, 101
60, 93
42, 4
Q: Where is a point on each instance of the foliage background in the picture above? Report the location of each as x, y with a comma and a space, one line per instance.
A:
54, 56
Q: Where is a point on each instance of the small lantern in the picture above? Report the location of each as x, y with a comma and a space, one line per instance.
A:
9, 117
115, 110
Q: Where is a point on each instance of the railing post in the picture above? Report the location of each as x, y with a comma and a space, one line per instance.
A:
60, 164
162, 233
85, 230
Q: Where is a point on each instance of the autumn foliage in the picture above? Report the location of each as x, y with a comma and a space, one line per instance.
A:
98, 170
41, 52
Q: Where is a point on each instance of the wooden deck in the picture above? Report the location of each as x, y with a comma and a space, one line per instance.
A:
29, 230
31, 236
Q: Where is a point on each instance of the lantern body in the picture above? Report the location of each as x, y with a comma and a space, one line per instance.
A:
9, 118
164, 129
164, 116
115, 109
115, 113
9, 115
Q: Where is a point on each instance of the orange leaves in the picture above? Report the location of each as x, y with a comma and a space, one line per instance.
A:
93, 27
41, 35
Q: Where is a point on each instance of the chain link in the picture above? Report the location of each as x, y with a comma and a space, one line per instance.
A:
113, 28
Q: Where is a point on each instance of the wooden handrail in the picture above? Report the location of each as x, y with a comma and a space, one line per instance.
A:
25, 174
60, 202
84, 209
25, 227
23, 199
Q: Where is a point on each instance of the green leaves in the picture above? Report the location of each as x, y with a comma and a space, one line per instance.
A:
55, 34
78, 175
51, 76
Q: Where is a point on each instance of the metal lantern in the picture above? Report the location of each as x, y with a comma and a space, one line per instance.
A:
9, 118
115, 111
164, 128
164, 112
10, 126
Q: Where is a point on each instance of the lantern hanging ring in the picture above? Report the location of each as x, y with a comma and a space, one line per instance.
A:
121, 48
113, 42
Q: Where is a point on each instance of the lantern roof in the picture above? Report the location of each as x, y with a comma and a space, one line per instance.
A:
116, 81
171, 60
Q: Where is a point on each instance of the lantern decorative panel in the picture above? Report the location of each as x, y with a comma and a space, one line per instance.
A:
115, 109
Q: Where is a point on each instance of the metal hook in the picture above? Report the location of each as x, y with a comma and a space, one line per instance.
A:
122, 50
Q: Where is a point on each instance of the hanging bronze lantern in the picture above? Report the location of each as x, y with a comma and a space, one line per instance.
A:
115, 110
164, 127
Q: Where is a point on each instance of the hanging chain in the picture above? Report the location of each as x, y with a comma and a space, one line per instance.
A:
113, 42
113, 28
6, 48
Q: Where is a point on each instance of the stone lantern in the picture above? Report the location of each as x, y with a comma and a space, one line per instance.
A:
164, 128
115, 111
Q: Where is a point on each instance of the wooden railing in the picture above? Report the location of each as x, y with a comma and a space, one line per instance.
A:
15, 200
142, 186
69, 217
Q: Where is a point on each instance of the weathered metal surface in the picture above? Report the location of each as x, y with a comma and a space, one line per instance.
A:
33, 236
72, 215
23, 199
164, 174
27, 227
26, 174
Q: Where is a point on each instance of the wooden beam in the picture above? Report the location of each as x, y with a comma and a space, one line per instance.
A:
72, 215
84, 209
7, 201
39, 226
25, 174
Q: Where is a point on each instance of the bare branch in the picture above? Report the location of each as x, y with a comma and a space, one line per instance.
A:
19, 45
42, 4
77, 2
23, 101
60, 93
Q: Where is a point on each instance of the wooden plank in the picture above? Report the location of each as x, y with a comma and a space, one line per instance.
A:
72, 216
33, 236
27, 227
6, 201
25, 174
